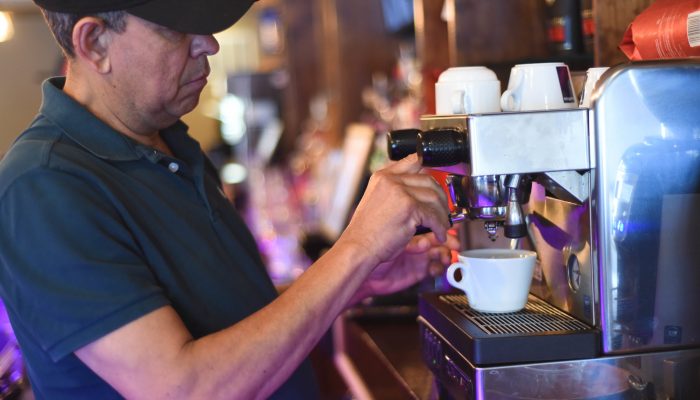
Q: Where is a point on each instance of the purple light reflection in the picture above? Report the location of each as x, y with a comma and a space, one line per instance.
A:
479, 386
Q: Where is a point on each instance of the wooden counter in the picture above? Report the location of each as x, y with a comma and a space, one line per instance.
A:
380, 357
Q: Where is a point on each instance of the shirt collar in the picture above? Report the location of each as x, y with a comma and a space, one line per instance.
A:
90, 132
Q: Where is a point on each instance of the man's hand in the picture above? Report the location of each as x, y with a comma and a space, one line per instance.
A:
398, 199
423, 256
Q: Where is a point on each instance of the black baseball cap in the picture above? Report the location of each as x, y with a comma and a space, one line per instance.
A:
202, 17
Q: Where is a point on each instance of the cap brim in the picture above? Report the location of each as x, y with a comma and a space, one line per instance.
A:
201, 18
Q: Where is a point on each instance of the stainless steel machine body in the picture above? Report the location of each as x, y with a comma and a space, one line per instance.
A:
612, 213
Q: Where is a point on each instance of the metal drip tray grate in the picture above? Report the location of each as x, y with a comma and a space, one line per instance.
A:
539, 332
538, 316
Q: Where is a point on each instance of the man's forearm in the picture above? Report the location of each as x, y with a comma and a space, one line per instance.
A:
254, 357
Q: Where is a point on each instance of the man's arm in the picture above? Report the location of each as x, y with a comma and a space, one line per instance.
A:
156, 357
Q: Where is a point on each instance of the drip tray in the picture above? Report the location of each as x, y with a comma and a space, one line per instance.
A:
537, 317
539, 332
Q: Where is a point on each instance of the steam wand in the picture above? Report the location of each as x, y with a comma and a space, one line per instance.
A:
514, 226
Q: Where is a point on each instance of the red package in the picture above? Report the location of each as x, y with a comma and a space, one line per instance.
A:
667, 29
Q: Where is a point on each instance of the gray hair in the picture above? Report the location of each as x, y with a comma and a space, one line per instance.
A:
62, 24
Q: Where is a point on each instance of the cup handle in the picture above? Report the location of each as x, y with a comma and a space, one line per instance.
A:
509, 101
457, 102
451, 276
467, 104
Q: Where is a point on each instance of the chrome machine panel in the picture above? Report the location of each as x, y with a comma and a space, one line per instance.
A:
647, 205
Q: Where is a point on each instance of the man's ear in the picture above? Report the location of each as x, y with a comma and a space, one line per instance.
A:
90, 42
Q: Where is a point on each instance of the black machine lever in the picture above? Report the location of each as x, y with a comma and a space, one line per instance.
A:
443, 147
437, 147
401, 143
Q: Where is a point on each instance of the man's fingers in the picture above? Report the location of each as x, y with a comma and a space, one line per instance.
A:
452, 242
436, 269
435, 252
432, 196
409, 164
400, 198
420, 243
425, 184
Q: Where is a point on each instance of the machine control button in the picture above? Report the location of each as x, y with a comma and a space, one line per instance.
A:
573, 269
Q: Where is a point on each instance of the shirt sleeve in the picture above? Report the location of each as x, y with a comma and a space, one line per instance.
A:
70, 268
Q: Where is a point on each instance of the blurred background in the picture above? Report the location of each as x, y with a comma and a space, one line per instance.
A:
303, 92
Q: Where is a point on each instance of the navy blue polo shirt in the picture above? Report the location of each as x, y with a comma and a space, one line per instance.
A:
98, 230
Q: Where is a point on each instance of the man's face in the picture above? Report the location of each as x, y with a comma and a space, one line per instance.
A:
157, 74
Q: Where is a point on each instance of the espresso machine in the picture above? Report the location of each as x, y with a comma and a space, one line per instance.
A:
609, 198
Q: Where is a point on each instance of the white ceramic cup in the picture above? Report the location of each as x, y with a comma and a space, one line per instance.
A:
494, 280
539, 86
592, 77
467, 90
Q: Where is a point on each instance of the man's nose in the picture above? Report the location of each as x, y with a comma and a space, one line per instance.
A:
204, 45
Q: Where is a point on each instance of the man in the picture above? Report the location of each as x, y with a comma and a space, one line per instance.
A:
124, 269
